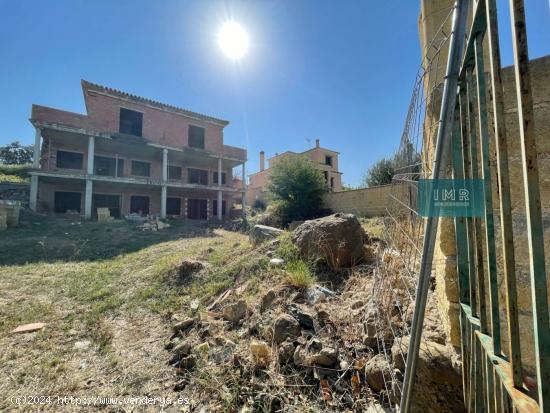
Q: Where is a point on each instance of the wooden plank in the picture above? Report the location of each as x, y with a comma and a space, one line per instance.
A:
532, 202
506, 231
488, 195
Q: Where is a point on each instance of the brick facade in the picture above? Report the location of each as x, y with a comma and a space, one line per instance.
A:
164, 142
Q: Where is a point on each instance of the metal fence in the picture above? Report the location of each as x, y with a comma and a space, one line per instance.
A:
447, 132
493, 379
397, 272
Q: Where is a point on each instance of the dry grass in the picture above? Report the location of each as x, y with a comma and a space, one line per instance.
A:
107, 305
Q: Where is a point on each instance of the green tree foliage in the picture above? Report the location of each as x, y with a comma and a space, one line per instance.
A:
381, 173
16, 154
296, 186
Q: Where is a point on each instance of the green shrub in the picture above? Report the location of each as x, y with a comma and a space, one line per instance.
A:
295, 185
259, 204
14, 173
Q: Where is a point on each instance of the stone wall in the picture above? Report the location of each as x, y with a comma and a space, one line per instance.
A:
368, 202
15, 192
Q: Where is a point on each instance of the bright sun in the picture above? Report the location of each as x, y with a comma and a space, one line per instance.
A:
233, 40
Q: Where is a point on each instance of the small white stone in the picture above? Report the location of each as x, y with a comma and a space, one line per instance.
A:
276, 262
82, 345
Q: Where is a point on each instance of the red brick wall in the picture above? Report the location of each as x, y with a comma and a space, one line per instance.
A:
160, 126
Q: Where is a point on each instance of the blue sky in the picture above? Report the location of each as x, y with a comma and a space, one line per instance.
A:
340, 71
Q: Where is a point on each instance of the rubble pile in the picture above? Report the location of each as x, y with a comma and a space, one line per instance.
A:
309, 349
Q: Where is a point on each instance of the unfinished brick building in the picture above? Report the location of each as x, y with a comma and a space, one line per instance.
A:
132, 155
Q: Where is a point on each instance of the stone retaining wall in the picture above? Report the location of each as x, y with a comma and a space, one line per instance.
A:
367, 202
15, 192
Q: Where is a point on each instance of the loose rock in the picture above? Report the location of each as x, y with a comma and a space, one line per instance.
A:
261, 233
378, 372
285, 327
276, 262
286, 352
235, 312
183, 325
337, 239
304, 317
267, 300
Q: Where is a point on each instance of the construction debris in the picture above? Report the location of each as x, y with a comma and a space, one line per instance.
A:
28, 328
104, 215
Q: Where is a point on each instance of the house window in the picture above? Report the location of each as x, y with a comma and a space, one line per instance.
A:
139, 205
106, 166
197, 208
130, 122
325, 173
67, 201
215, 177
332, 183
196, 137
173, 206
328, 160
215, 208
140, 168
69, 160
174, 172
198, 176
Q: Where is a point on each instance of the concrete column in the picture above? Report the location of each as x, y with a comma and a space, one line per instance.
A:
36, 151
91, 149
164, 165
244, 189
163, 193
33, 201
88, 199
220, 199
163, 202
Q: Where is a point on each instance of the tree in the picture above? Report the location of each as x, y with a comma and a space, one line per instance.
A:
381, 173
16, 154
296, 186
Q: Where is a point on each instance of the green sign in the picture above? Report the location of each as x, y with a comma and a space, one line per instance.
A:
450, 197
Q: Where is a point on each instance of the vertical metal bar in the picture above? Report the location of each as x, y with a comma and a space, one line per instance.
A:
460, 222
464, 353
476, 227
472, 340
479, 396
507, 234
469, 220
498, 391
489, 371
442, 150
488, 195
532, 203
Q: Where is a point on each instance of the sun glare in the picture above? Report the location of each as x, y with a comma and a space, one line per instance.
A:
233, 40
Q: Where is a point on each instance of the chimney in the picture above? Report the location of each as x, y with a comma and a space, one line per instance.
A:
316, 143
262, 160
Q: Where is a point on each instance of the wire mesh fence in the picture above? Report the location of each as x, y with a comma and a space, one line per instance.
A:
397, 272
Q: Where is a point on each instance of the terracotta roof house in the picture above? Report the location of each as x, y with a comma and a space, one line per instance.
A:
132, 155
325, 159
